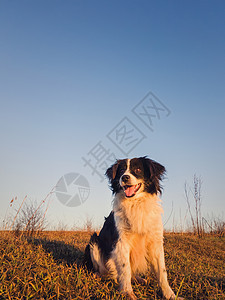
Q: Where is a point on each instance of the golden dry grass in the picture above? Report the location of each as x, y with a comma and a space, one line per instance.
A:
48, 267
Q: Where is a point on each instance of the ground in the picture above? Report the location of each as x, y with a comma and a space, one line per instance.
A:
48, 266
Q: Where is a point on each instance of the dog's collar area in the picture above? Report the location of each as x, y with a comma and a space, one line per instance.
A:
131, 190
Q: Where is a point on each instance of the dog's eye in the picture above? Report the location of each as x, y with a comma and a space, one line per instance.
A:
137, 171
121, 171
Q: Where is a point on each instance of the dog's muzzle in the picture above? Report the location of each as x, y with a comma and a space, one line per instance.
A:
129, 189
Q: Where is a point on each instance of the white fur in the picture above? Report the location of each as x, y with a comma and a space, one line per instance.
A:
141, 240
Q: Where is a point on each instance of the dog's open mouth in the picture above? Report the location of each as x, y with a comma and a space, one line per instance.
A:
131, 190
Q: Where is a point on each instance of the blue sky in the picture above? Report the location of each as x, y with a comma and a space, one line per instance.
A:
70, 71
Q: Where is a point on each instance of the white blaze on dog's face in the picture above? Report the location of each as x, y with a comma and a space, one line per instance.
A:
131, 180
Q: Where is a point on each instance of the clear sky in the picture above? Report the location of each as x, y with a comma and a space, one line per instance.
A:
71, 74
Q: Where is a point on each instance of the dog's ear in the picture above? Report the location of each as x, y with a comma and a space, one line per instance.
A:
157, 169
111, 171
155, 172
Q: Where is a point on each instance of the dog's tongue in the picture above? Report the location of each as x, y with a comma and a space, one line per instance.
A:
130, 190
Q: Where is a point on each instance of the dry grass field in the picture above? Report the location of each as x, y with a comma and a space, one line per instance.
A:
48, 266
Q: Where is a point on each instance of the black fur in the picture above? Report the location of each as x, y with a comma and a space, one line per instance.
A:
106, 241
153, 174
114, 172
87, 256
108, 236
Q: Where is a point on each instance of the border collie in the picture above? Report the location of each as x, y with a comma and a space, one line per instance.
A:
132, 235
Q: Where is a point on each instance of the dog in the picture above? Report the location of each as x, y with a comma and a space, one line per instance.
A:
132, 235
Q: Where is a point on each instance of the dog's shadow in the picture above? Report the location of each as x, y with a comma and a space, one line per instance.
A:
60, 251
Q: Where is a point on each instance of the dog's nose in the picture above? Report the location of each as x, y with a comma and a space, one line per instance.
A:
125, 178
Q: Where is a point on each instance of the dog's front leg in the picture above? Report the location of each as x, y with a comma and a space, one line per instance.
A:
121, 258
158, 264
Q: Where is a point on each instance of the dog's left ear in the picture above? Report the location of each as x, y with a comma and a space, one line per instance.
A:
157, 170
155, 173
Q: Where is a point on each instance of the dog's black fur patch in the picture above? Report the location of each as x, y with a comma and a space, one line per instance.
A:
108, 236
106, 241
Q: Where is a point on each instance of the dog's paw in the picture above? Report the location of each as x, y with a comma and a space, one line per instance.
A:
173, 297
141, 280
169, 295
130, 295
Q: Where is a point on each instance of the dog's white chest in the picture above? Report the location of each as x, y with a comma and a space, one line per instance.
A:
141, 216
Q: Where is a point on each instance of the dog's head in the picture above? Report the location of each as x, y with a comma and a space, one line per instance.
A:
134, 176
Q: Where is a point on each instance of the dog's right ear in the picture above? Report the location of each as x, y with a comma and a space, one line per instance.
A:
111, 171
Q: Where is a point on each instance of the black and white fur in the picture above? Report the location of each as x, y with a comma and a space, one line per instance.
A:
132, 235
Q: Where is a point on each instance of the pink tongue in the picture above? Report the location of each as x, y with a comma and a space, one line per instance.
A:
130, 190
